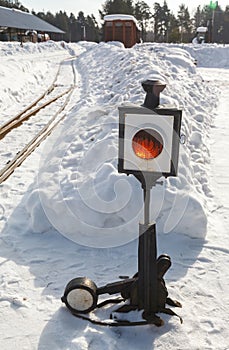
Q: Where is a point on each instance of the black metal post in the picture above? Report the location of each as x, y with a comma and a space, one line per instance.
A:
147, 261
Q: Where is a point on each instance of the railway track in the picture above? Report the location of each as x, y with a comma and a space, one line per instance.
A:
50, 96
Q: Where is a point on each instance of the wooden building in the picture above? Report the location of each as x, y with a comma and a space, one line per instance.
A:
15, 24
123, 28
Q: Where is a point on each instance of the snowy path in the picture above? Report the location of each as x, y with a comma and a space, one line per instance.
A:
216, 248
220, 143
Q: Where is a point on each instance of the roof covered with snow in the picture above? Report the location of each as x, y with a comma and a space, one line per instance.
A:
14, 18
121, 17
202, 29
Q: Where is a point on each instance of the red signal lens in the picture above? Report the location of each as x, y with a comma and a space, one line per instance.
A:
147, 144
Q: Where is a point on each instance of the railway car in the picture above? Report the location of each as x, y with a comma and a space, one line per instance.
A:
123, 28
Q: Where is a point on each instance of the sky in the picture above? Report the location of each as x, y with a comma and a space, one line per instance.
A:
92, 6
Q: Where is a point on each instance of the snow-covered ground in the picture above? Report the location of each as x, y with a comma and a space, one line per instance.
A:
66, 212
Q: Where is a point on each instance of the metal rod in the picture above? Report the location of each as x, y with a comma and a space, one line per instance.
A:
146, 206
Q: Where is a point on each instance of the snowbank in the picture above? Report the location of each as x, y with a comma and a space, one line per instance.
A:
209, 55
15, 48
35, 268
203, 55
80, 190
26, 71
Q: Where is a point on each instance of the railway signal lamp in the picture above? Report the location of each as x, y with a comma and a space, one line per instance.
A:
149, 137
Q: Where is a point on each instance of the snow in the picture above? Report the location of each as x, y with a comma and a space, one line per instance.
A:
118, 17
121, 17
206, 57
67, 212
202, 29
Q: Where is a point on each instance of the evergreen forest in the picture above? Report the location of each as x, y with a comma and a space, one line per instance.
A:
158, 24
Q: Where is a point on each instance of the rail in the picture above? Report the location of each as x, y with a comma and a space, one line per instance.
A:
43, 133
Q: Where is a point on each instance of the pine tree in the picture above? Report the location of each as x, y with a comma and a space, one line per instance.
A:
63, 23
15, 4
92, 29
143, 14
198, 18
117, 7
184, 23
161, 22
218, 19
173, 29
72, 28
81, 20
225, 34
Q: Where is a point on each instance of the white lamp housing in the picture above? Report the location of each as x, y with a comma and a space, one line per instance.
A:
149, 141
161, 128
